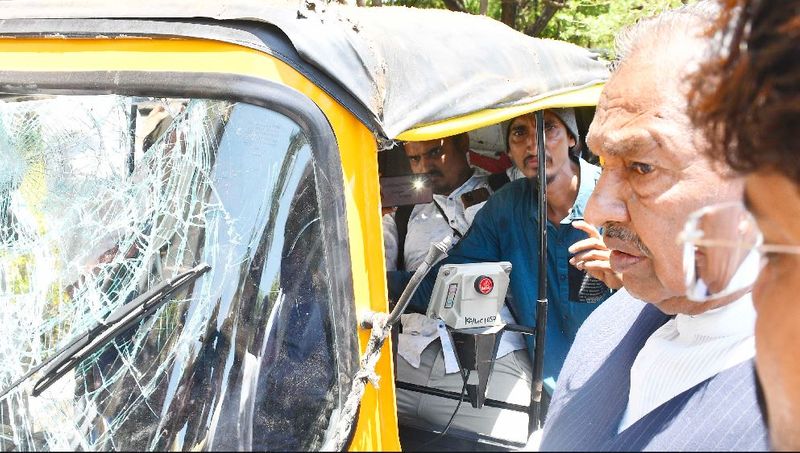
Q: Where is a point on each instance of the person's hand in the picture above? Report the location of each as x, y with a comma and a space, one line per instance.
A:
592, 256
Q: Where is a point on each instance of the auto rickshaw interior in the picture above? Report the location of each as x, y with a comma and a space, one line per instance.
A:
421, 435
487, 141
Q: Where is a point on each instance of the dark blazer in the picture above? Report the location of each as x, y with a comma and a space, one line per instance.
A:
720, 413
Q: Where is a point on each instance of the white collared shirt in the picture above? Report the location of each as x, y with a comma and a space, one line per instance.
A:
686, 351
514, 173
426, 225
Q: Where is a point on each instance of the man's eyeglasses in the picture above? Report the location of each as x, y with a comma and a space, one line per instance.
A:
723, 251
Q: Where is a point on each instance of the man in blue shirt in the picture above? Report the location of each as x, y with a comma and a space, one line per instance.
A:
506, 229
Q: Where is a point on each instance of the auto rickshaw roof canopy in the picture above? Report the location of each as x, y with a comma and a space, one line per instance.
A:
407, 73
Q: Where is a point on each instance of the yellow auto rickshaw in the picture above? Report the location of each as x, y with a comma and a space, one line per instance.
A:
190, 231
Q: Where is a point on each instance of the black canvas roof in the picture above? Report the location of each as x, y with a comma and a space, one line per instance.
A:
396, 68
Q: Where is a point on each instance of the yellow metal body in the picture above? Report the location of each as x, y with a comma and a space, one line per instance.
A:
377, 422
585, 96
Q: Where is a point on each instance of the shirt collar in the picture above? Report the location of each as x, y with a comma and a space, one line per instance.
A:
471, 184
514, 173
735, 319
587, 181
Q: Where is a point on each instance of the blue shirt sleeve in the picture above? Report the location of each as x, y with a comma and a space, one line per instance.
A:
478, 245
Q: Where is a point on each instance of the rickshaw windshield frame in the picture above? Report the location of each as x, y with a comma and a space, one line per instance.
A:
235, 88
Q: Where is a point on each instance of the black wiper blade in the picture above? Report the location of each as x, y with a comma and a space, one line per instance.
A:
114, 324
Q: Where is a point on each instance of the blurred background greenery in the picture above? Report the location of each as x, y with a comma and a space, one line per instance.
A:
587, 23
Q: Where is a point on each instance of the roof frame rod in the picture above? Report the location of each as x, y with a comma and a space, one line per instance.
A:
535, 414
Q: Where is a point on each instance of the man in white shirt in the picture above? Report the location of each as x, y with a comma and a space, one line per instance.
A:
450, 213
445, 162
651, 369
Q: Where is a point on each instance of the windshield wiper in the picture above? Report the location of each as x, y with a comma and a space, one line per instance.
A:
114, 324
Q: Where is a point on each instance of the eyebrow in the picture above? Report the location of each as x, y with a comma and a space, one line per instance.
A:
426, 151
630, 144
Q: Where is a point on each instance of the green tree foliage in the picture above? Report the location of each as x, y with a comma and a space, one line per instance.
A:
588, 23
591, 23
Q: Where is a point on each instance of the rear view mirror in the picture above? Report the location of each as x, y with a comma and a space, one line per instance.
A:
405, 190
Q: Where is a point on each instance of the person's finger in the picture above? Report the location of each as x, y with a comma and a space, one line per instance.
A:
596, 266
587, 228
588, 243
593, 255
604, 273
577, 263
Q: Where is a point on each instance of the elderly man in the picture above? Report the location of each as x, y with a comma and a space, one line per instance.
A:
650, 369
506, 230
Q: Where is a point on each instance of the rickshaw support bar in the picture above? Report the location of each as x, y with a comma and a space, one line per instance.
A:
457, 396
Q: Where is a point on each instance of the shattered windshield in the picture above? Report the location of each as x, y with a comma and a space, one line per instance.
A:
103, 198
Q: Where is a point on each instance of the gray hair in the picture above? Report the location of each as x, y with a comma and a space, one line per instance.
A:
691, 18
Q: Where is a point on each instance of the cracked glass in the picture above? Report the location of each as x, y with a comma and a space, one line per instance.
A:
104, 197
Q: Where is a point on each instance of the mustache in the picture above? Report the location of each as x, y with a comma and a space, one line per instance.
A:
618, 231
529, 157
434, 173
